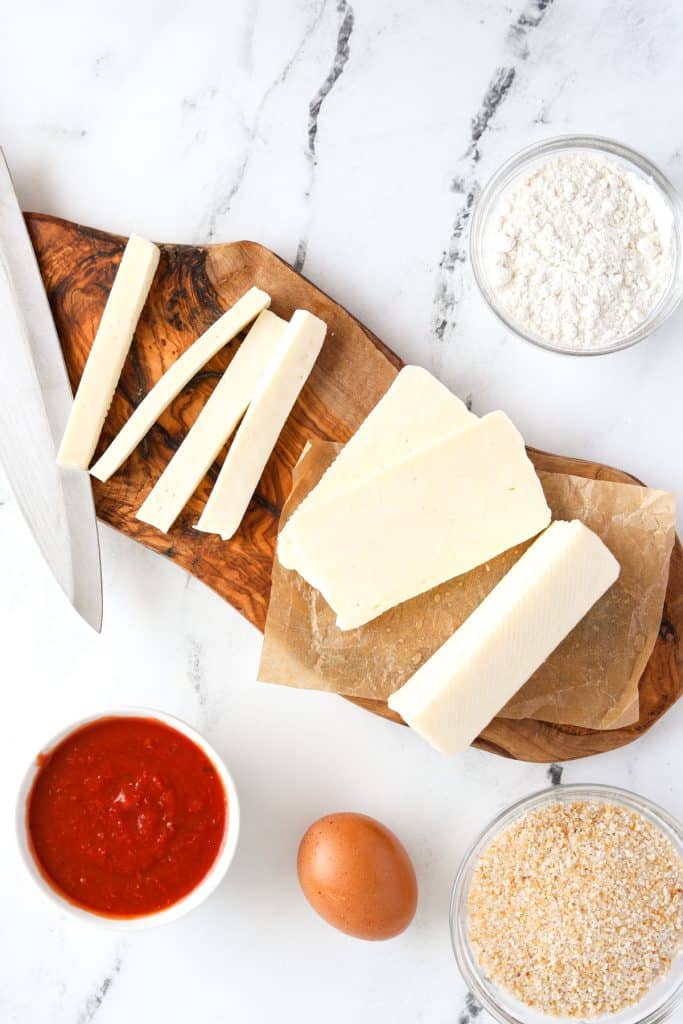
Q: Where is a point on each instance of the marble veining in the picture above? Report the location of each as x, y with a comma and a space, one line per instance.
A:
93, 1003
472, 1010
353, 139
341, 56
529, 19
222, 208
466, 181
194, 668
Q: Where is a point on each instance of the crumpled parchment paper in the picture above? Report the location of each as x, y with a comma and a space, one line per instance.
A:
590, 680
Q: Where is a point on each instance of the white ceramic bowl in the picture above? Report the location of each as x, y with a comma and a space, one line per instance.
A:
208, 883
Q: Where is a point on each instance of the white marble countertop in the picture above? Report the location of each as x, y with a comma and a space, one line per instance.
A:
349, 137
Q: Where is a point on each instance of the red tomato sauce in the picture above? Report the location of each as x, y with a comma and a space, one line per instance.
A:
126, 816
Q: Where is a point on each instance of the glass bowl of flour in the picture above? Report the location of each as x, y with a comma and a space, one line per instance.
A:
577, 245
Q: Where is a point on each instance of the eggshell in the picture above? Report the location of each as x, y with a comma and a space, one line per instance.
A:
357, 875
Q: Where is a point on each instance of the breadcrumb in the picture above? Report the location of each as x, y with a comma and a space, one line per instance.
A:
577, 908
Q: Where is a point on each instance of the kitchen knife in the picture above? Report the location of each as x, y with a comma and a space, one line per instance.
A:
35, 399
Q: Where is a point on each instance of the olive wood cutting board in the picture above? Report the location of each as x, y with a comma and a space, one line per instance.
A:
193, 286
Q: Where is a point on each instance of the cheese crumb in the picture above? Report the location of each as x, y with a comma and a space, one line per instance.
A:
577, 908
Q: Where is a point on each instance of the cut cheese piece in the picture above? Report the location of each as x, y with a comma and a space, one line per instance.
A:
108, 353
214, 425
435, 515
416, 411
457, 692
277, 392
176, 377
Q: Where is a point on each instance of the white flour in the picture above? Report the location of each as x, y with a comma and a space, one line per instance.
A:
580, 250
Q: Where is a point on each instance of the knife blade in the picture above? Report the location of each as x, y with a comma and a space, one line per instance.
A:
35, 399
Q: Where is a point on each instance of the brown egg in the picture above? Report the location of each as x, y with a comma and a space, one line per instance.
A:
357, 875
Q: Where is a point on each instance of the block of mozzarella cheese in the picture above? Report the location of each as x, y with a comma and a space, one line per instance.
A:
215, 423
108, 353
278, 390
415, 411
457, 691
176, 377
436, 514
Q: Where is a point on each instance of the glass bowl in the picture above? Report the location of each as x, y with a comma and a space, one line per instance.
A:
659, 1003
530, 158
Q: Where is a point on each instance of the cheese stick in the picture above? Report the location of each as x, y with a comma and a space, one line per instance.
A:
257, 435
415, 411
457, 691
437, 514
176, 377
108, 353
214, 425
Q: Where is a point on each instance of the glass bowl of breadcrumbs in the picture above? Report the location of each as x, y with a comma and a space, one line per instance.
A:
569, 907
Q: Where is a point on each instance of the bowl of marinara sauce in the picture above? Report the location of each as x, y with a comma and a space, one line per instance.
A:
128, 818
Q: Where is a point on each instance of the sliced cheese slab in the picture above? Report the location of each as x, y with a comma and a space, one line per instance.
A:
214, 425
176, 377
415, 411
257, 435
108, 353
457, 692
437, 514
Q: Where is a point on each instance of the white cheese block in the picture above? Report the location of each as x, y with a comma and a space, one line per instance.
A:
415, 411
108, 353
176, 377
258, 432
214, 425
438, 513
457, 692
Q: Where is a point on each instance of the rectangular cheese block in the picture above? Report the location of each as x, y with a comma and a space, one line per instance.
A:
215, 423
436, 514
108, 353
177, 376
415, 411
457, 692
258, 432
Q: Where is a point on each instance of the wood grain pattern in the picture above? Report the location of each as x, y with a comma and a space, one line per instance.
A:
192, 288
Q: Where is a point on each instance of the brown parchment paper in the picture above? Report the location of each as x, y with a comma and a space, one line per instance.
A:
590, 680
